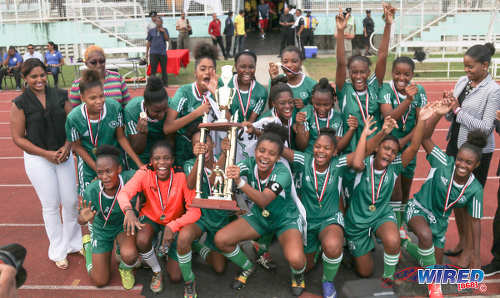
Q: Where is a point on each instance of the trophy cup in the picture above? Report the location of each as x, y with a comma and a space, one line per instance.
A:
222, 190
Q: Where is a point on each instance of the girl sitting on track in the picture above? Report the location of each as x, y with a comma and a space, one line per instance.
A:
145, 117
166, 209
211, 220
359, 96
321, 114
99, 207
301, 85
192, 101
402, 100
246, 86
97, 121
274, 212
369, 210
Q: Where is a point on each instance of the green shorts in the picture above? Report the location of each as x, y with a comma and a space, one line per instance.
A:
158, 228
210, 229
183, 150
359, 236
409, 170
85, 175
103, 239
314, 228
438, 227
265, 226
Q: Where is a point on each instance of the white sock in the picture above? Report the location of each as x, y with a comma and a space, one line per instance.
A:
152, 261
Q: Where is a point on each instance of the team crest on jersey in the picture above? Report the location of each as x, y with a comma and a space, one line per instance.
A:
303, 94
462, 200
308, 178
114, 124
444, 180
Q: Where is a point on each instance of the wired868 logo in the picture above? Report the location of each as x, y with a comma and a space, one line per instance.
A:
463, 278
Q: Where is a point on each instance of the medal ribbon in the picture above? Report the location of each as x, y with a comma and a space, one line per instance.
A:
199, 95
106, 218
375, 197
405, 116
361, 106
244, 110
317, 121
256, 173
448, 193
323, 188
289, 127
89, 125
169, 188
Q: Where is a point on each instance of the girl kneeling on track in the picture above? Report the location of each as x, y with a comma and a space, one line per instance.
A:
321, 114
97, 121
211, 220
369, 209
402, 100
99, 207
166, 209
274, 212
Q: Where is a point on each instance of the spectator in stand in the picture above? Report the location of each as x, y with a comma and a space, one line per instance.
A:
286, 22
54, 60
263, 10
214, 32
153, 15
182, 25
239, 32
114, 86
229, 32
310, 24
156, 48
368, 29
12, 62
31, 53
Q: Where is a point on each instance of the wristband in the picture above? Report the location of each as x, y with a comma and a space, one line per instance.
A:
457, 110
241, 184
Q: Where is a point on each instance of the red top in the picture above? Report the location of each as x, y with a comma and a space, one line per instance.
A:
177, 213
214, 28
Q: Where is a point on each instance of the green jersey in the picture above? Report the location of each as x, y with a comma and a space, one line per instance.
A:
240, 104
105, 205
356, 103
215, 218
389, 95
303, 89
271, 114
368, 187
440, 194
280, 180
319, 196
155, 127
314, 123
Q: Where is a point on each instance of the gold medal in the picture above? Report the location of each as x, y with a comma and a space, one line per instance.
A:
162, 218
265, 213
94, 150
404, 126
372, 208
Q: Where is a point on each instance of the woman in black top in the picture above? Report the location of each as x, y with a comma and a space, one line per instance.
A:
37, 119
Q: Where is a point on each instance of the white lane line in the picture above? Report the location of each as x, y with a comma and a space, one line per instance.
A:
4, 123
12, 225
11, 157
66, 288
16, 185
491, 281
5, 138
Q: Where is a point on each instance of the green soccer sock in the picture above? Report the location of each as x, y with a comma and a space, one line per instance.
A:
390, 263
427, 257
87, 247
411, 248
185, 266
239, 258
299, 271
264, 243
126, 266
201, 249
330, 267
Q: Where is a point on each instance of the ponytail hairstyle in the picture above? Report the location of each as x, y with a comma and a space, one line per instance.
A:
324, 86
358, 58
108, 151
278, 85
476, 141
90, 79
405, 60
481, 53
330, 133
205, 50
274, 133
154, 92
246, 52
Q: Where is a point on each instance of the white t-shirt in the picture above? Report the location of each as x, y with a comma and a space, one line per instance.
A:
36, 55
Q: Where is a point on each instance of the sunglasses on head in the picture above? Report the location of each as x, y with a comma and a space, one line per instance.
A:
100, 61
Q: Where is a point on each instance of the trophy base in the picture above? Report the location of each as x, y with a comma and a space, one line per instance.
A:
215, 204
221, 126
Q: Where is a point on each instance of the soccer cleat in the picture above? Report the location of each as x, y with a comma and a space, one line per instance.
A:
128, 278
266, 261
85, 239
156, 285
190, 290
435, 291
241, 279
387, 282
491, 269
298, 284
329, 290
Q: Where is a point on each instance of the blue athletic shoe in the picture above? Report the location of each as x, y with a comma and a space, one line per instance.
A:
329, 290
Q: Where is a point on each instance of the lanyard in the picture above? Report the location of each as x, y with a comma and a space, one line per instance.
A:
106, 218
405, 116
198, 94
244, 110
375, 196
89, 125
256, 173
361, 106
325, 183
317, 121
169, 188
448, 193
289, 127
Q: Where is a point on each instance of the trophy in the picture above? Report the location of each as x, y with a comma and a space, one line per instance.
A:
222, 190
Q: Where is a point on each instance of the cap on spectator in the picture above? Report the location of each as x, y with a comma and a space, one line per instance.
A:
153, 13
368, 11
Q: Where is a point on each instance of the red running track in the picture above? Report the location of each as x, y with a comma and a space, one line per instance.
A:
22, 222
